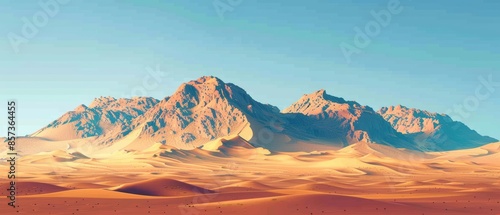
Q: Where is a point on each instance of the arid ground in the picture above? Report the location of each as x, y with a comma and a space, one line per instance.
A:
236, 179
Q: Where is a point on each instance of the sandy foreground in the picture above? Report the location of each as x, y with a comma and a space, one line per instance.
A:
360, 179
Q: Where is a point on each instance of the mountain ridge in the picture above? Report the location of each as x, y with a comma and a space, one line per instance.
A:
433, 131
102, 115
207, 108
349, 121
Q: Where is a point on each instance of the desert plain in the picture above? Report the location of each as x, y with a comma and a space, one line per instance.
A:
229, 176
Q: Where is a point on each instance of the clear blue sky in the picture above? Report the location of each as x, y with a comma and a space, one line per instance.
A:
430, 55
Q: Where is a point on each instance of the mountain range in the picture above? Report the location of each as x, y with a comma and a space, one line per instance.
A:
206, 109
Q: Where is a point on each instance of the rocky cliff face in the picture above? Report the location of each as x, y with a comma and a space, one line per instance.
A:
104, 115
346, 121
202, 110
432, 131
208, 108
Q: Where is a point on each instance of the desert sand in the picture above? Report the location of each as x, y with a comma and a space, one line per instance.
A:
231, 177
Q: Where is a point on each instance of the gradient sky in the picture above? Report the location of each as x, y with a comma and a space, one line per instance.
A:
430, 56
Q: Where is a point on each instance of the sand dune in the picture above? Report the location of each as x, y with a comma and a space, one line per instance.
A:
31, 188
324, 188
230, 177
162, 187
90, 193
306, 204
246, 186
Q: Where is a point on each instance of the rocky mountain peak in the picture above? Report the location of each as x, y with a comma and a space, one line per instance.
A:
102, 101
432, 131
